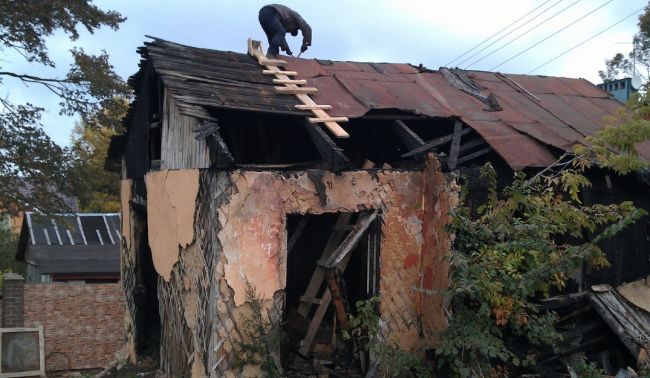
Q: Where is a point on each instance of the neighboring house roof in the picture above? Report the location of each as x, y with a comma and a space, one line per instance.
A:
522, 117
78, 243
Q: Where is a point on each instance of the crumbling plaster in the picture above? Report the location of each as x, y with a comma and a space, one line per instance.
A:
171, 205
252, 237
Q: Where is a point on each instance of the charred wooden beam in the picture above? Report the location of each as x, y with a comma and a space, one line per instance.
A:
296, 234
328, 150
435, 143
474, 142
410, 139
220, 155
316, 177
455, 144
473, 155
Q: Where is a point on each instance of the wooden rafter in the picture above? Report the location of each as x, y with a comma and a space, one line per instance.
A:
455, 144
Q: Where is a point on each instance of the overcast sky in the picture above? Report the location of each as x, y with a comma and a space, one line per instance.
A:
431, 32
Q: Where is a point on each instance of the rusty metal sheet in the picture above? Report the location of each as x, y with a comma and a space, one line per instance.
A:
542, 134
395, 68
304, 67
392, 95
574, 111
540, 84
585, 88
535, 110
376, 76
331, 92
518, 150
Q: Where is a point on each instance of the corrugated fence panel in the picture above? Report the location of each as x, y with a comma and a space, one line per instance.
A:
179, 149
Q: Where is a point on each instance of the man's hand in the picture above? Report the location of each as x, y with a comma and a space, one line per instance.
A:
289, 52
303, 48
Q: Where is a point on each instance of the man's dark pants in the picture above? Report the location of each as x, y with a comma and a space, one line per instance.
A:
270, 21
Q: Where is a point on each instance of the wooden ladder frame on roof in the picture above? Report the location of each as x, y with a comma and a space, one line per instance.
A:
291, 86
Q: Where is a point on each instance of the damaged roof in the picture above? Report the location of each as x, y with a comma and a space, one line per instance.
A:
523, 118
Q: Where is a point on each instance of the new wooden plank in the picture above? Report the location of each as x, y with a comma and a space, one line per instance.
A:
311, 107
328, 119
296, 90
290, 81
278, 71
272, 62
455, 144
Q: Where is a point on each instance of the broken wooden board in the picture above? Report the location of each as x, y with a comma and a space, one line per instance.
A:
255, 50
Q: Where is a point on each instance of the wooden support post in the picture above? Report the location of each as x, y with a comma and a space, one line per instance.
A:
455, 145
435, 143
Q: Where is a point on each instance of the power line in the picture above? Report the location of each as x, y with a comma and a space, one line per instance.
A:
497, 33
523, 34
508, 33
557, 32
587, 40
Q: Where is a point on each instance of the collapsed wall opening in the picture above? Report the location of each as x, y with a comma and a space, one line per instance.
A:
145, 282
332, 262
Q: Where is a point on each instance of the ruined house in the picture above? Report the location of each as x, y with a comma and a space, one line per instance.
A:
228, 189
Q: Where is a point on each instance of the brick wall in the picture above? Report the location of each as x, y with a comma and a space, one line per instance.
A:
83, 323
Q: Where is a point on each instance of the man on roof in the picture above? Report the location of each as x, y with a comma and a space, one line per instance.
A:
277, 20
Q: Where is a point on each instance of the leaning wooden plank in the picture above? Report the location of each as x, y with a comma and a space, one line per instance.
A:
314, 324
328, 119
315, 301
278, 71
435, 143
317, 278
311, 107
290, 81
351, 240
455, 144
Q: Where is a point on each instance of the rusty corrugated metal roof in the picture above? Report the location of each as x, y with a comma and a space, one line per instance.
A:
538, 113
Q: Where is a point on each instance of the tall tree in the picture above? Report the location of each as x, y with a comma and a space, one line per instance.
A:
637, 61
96, 189
27, 154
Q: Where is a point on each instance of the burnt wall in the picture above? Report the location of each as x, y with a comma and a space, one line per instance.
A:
240, 235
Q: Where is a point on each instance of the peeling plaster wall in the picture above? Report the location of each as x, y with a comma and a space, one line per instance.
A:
240, 235
170, 215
